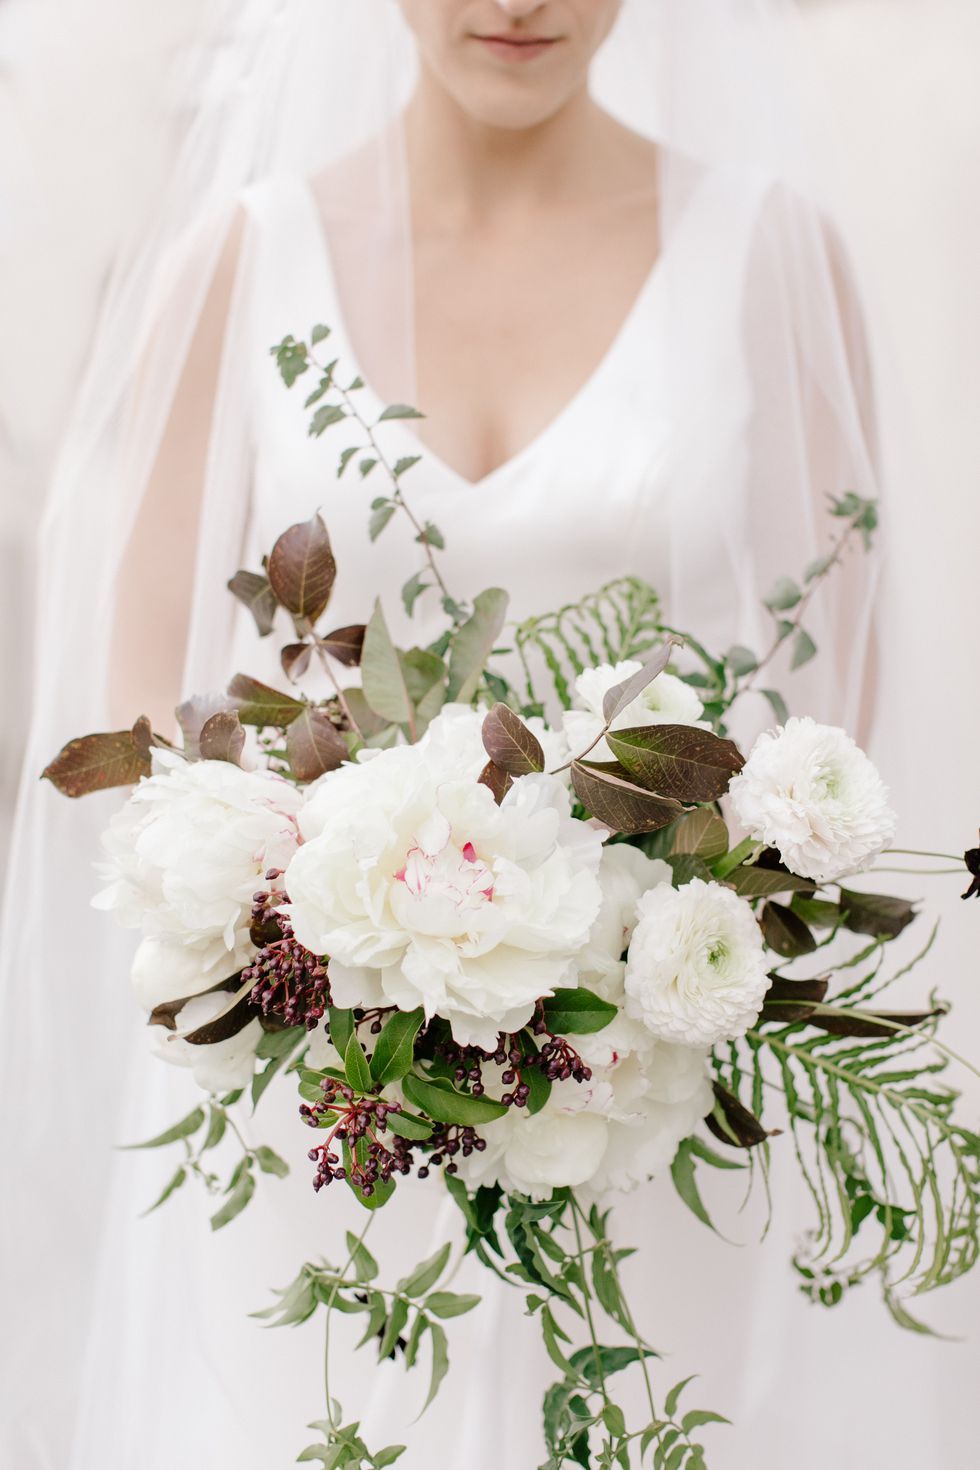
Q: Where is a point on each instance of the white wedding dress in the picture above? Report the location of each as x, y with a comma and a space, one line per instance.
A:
642, 472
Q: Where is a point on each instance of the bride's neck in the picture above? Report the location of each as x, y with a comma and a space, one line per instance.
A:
463, 171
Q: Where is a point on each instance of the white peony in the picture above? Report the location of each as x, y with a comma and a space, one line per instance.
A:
185, 855
424, 892
667, 700
811, 792
219, 1066
610, 1133
625, 873
696, 969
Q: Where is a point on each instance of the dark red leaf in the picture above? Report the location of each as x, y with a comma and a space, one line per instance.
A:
680, 761
302, 569
255, 591
314, 745
498, 780
222, 738
618, 804
345, 644
97, 763
510, 744
257, 704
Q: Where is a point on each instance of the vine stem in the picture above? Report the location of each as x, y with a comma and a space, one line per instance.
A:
341, 697
329, 1305
919, 852
833, 559
587, 1304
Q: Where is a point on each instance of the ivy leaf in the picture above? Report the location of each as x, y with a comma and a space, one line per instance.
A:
783, 595
97, 763
618, 803
183, 1129
804, 649
474, 643
441, 1101
510, 744
356, 1066
399, 411
425, 1275
255, 591
577, 1012
239, 1197
302, 569
270, 1162
314, 745
678, 761
395, 1047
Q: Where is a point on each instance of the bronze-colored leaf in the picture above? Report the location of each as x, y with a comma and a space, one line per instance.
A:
732, 1123
234, 1018
295, 659
618, 804
368, 722
257, 704
167, 1012
345, 644
877, 914
785, 932
302, 569
314, 745
97, 763
255, 591
222, 738
680, 761
194, 714
702, 833
498, 780
619, 696
753, 881
510, 744
793, 1000
872, 1023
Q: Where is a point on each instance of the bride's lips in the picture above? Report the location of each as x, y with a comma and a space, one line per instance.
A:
517, 48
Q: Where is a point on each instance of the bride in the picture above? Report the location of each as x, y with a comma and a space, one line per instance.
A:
559, 227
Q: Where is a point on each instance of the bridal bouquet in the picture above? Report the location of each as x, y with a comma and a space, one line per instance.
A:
513, 914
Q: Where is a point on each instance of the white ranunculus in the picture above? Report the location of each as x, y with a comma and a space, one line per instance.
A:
809, 791
220, 1066
424, 892
696, 969
667, 700
185, 855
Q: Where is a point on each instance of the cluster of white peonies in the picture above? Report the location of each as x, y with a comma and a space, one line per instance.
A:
425, 893
184, 857
668, 700
809, 791
644, 1096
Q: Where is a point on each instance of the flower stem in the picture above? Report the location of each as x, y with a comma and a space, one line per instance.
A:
329, 1305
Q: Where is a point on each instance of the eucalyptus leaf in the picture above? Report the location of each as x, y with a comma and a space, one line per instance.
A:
473, 644
382, 674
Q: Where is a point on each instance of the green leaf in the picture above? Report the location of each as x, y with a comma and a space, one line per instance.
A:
380, 518
678, 761
450, 1303
217, 1123
751, 881
365, 466
441, 1101
394, 1050
399, 411
389, 1455
356, 1066
741, 660
683, 1175
270, 1162
804, 649
539, 1088
180, 1130
674, 1397
577, 1012
236, 1200
876, 914
364, 1264
325, 417
258, 704
413, 589
176, 1180
426, 1274
381, 1193
702, 834
819, 567
432, 536
698, 1417
340, 1024
440, 1361
382, 674
319, 333
783, 595
777, 704
474, 643
407, 1125
397, 1322
403, 465
346, 456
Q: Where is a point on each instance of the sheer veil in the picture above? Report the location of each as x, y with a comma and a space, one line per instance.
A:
303, 87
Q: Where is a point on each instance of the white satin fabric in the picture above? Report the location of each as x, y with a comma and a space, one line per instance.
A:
644, 472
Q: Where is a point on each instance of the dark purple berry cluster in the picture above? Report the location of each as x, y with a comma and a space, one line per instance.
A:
356, 1121
289, 983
